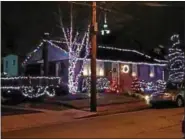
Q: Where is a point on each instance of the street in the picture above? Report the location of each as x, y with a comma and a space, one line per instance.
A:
150, 123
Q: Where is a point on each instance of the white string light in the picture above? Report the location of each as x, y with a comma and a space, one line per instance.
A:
127, 62
30, 77
119, 49
129, 50
31, 54
30, 91
74, 54
56, 46
148, 87
102, 84
176, 61
87, 48
101, 47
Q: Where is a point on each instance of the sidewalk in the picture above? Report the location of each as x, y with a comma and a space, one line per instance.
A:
102, 100
18, 122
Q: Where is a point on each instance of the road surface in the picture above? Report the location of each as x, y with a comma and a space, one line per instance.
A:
151, 123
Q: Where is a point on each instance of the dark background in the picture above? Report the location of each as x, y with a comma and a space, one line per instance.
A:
134, 25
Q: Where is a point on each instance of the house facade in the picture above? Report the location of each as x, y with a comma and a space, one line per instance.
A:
120, 65
123, 72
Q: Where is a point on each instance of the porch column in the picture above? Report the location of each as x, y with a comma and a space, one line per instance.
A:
57, 68
118, 66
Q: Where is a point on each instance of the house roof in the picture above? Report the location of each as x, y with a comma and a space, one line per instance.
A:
55, 53
58, 51
125, 55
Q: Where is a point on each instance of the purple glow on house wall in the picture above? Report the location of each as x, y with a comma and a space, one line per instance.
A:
64, 70
143, 72
158, 73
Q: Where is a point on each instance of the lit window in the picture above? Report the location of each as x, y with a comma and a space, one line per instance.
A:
101, 72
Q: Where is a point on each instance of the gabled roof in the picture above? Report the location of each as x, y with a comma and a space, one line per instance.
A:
58, 51
55, 53
125, 55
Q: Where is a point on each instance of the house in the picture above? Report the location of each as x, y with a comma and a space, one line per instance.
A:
10, 65
113, 63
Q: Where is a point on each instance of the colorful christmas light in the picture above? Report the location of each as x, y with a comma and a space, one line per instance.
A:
114, 87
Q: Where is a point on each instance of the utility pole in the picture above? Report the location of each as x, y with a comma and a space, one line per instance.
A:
93, 100
45, 53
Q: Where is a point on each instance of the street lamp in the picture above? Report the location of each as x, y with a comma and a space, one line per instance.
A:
105, 30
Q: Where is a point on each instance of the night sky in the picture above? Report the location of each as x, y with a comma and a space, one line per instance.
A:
23, 24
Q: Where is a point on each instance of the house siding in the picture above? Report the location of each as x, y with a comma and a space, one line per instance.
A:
10, 67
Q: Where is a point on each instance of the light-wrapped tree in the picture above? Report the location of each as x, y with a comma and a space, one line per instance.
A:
76, 44
176, 61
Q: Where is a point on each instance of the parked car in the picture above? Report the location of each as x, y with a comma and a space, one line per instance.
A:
166, 97
183, 127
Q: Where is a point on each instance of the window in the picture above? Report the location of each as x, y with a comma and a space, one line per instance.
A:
13, 62
6, 64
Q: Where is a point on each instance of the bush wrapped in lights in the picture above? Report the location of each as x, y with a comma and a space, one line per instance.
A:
136, 86
30, 87
148, 87
102, 84
161, 85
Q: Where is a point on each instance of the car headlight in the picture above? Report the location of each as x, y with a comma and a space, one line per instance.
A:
167, 94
